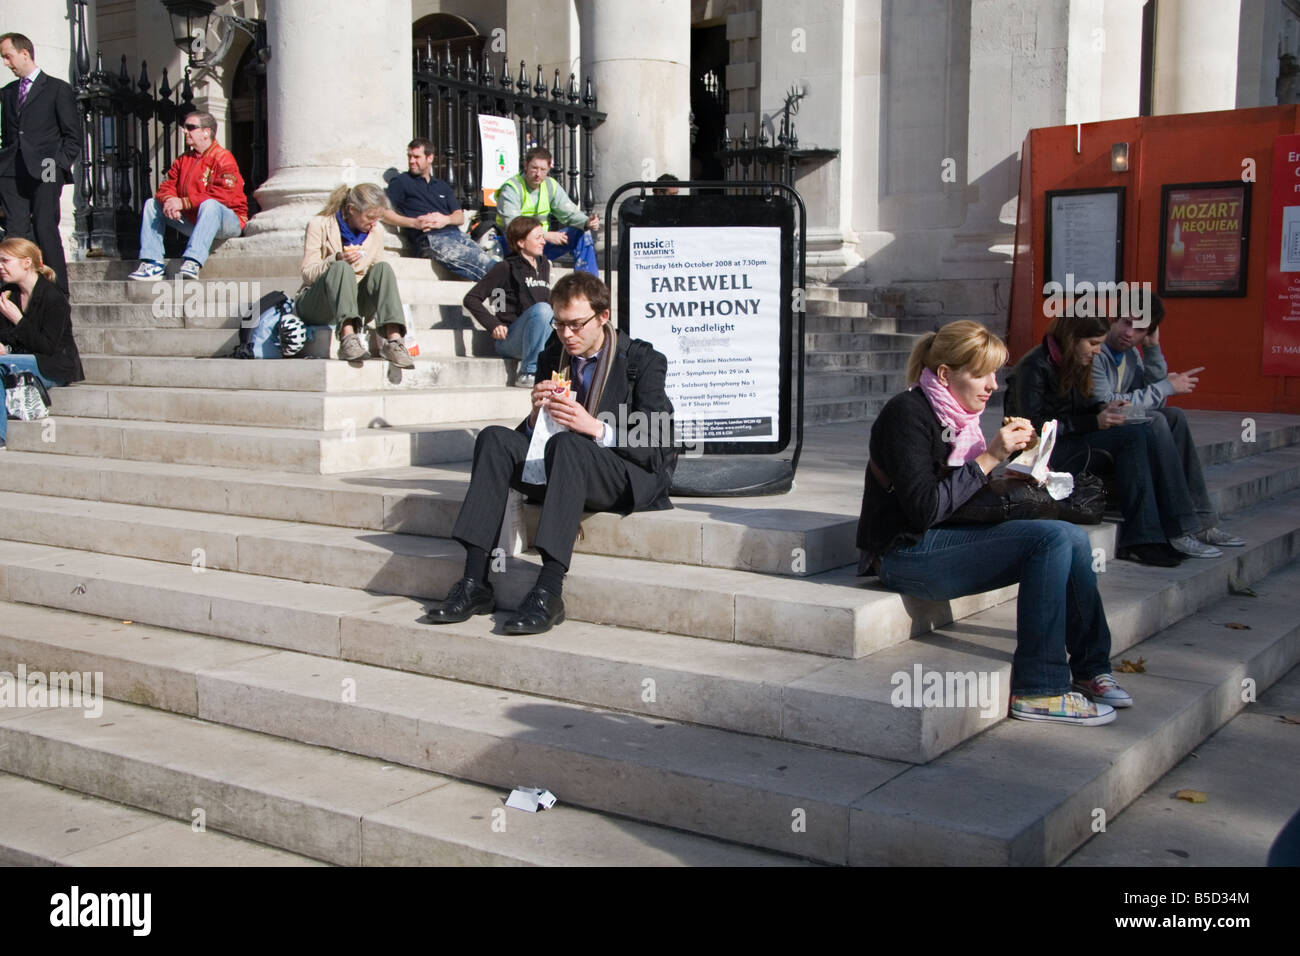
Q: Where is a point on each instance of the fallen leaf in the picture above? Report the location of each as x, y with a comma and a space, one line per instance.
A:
1237, 627
1288, 720
1127, 666
1243, 591
1192, 796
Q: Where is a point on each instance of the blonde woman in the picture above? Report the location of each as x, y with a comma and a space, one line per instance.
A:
35, 321
344, 279
928, 457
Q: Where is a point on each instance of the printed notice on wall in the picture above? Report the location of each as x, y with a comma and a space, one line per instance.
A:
709, 298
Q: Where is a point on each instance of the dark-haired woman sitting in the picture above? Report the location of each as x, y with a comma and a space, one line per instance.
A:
1054, 380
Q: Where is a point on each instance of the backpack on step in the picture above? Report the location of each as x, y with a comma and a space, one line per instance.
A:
271, 330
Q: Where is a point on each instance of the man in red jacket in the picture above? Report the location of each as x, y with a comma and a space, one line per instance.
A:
202, 196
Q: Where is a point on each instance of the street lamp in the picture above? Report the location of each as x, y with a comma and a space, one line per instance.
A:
190, 24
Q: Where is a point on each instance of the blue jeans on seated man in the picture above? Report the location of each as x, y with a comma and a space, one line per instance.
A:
579, 245
455, 250
215, 221
1058, 610
527, 337
20, 363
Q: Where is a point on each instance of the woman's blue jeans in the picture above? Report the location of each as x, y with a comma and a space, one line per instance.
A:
19, 363
1061, 626
527, 336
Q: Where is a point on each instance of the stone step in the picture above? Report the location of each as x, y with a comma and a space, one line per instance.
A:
45, 825
831, 613
820, 411
247, 267
327, 805
122, 315
212, 343
796, 696
852, 808
872, 323
727, 785
275, 449
744, 534
335, 411
856, 359
294, 375
1020, 794
821, 308
845, 619
834, 342
219, 293
828, 383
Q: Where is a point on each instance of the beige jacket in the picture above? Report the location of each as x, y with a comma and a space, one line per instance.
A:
324, 243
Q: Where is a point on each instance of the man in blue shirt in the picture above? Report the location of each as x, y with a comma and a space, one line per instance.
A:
429, 216
1131, 368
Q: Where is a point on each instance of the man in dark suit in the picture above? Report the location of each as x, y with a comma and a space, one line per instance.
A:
615, 452
40, 139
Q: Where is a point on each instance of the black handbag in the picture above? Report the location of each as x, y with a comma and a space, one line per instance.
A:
1006, 499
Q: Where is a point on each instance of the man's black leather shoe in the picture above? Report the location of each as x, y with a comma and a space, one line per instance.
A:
539, 612
466, 598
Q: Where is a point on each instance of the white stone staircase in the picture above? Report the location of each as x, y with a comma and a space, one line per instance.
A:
243, 550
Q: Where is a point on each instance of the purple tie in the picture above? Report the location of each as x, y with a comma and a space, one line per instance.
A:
23, 87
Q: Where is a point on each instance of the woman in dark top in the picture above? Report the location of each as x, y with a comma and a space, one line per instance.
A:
1054, 380
513, 300
35, 320
928, 457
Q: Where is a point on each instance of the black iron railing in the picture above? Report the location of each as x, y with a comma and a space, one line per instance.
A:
450, 95
747, 160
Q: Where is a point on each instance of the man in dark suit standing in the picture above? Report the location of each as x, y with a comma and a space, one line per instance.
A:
40, 139
615, 452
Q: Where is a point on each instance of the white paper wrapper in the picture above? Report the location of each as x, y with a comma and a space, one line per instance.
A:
1034, 462
535, 462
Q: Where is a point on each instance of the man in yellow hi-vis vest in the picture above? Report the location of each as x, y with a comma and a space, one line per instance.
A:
534, 193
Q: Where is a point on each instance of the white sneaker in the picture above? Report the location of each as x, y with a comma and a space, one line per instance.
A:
1221, 538
1189, 546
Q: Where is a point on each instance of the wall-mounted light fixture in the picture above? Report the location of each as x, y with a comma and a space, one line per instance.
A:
1119, 157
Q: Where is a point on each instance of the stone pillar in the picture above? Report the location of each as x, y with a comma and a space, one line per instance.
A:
1196, 56
339, 102
52, 29
1018, 80
639, 57
811, 45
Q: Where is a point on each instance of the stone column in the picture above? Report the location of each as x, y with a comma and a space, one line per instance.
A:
811, 45
339, 107
639, 57
1196, 56
52, 29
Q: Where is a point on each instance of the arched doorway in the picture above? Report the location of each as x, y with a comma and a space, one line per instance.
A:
436, 30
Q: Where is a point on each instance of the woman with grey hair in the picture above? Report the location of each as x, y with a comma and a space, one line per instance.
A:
345, 281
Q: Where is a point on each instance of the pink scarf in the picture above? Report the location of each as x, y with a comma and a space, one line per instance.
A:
968, 440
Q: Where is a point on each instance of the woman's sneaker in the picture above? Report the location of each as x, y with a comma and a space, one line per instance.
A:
1105, 689
1221, 538
1189, 546
1063, 708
